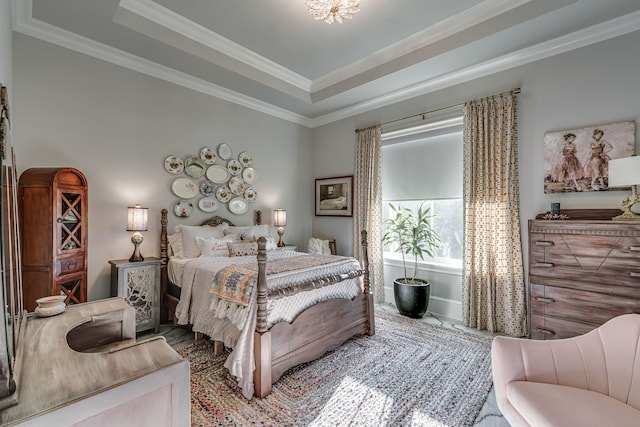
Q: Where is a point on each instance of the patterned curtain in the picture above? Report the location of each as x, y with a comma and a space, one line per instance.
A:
493, 278
367, 206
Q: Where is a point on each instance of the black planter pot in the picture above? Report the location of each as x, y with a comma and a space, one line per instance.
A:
412, 299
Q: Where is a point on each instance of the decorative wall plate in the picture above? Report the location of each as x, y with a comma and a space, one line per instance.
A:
236, 185
208, 204
184, 188
234, 167
224, 151
174, 165
207, 188
249, 175
218, 174
238, 206
183, 208
208, 155
245, 159
223, 194
194, 167
250, 194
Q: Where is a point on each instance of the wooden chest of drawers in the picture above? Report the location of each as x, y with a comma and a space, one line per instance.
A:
581, 274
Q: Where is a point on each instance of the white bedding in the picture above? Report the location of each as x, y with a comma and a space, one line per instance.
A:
234, 325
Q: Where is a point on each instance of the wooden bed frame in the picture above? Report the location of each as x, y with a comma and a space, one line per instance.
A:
320, 328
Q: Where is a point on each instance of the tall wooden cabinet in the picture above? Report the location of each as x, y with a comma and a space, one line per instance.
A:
581, 274
52, 205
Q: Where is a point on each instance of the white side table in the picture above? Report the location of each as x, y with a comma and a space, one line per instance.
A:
288, 248
139, 284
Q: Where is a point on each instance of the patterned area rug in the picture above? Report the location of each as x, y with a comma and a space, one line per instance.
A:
409, 373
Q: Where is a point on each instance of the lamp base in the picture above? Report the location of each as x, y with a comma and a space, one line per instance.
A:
281, 242
627, 203
136, 239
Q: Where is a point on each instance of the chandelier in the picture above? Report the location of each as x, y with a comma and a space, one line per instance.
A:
333, 10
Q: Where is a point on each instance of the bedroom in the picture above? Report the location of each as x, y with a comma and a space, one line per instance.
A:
121, 141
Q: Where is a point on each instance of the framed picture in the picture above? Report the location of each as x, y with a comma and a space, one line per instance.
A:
577, 160
334, 196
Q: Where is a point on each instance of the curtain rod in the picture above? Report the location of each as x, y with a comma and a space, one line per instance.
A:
514, 91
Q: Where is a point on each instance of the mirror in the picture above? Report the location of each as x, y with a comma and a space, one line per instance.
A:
13, 316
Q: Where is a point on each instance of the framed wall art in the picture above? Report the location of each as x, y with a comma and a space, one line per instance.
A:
334, 196
576, 160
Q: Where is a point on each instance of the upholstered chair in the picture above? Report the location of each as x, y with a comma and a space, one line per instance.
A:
588, 380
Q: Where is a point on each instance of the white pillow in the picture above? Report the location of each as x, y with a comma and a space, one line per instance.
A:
175, 243
212, 247
318, 246
190, 232
249, 232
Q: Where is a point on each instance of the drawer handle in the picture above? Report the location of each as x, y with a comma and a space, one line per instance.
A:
634, 248
545, 331
634, 274
544, 264
72, 264
543, 243
544, 299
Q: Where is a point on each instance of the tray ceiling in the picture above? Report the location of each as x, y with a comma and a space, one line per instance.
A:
272, 56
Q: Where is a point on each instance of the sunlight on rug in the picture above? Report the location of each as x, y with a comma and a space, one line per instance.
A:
408, 374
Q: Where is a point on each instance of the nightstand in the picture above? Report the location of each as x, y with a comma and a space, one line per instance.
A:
288, 248
139, 284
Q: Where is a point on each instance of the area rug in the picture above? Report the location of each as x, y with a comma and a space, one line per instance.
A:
409, 373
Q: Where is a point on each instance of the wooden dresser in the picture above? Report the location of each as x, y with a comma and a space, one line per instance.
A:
582, 272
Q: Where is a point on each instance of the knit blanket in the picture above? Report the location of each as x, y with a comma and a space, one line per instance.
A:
236, 283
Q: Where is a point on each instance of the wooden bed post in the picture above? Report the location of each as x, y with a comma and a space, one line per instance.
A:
164, 257
262, 337
367, 284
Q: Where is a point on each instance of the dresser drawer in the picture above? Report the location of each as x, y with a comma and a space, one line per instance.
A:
611, 260
69, 265
551, 328
580, 306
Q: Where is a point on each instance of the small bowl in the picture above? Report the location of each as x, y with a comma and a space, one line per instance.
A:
51, 301
50, 306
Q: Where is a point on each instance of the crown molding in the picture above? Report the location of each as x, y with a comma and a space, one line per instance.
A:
23, 22
235, 56
597, 33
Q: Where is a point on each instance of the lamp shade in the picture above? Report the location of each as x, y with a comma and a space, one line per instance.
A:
137, 218
280, 218
624, 172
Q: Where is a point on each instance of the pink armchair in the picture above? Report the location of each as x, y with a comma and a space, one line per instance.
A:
588, 380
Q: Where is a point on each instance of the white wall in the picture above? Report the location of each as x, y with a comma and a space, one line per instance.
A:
594, 85
117, 126
6, 48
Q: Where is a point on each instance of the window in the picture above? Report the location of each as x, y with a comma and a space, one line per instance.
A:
426, 167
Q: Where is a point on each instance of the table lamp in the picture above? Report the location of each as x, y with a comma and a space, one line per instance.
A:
623, 173
137, 218
280, 221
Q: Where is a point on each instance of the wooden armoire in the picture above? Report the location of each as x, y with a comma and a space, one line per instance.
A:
52, 204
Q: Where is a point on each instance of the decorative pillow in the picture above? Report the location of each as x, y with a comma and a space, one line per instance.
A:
318, 246
249, 232
242, 248
213, 247
190, 232
175, 243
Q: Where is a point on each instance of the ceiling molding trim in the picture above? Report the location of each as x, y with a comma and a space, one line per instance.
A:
25, 24
437, 32
597, 33
167, 18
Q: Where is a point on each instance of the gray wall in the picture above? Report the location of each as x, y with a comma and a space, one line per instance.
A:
117, 126
594, 85
6, 48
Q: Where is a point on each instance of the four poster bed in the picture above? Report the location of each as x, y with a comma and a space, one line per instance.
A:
293, 309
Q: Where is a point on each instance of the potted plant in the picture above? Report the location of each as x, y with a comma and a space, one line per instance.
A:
411, 233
